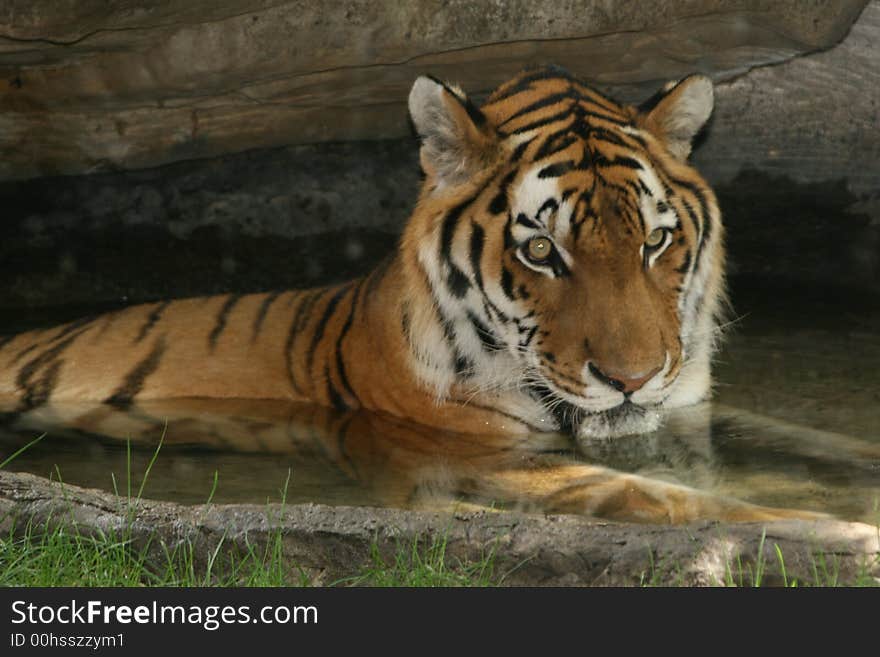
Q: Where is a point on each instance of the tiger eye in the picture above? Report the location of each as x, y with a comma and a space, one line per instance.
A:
539, 248
655, 238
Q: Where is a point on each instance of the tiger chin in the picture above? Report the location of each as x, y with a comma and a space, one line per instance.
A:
562, 271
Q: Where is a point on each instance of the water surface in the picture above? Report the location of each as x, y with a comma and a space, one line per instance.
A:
794, 423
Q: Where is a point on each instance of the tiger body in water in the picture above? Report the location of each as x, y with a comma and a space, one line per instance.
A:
563, 271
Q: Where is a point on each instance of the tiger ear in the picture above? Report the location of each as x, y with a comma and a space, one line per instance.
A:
457, 140
678, 112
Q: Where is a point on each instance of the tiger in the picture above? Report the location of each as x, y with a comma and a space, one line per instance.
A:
562, 271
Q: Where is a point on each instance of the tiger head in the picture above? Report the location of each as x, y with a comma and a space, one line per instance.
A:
567, 247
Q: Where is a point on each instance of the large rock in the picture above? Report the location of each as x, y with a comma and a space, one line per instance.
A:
93, 86
812, 118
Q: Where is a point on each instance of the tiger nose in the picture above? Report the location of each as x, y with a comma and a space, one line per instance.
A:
622, 382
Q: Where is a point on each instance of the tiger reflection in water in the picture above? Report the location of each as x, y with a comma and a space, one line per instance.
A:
402, 464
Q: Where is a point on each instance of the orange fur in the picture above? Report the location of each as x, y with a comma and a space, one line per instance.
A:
386, 342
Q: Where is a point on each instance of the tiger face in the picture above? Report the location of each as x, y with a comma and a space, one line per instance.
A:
569, 249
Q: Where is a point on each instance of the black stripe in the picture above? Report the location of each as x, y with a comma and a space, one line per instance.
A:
333, 395
460, 363
464, 366
24, 352
220, 322
261, 314
704, 228
109, 318
499, 202
520, 150
627, 162
406, 321
341, 438
70, 328
152, 318
555, 118
38, 393
557, 264
340, 363
29, 369
529, 336
499, 314
525, 82
488, 341
478, 118
557, 169
321, 326
555, 143
523, 220
597, 97
135, 379
456, 280
546, 101
300, 319
647, 105
686, 263
549, 204
583, 112
509, 242
507, 283
601, 134
706, 218
450, 221
692, 215
478, 239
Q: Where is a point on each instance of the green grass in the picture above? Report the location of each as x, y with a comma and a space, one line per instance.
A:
825, 571
426, 565
742, 571
59, 554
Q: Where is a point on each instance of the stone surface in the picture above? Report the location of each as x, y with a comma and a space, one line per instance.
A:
813, 119
329, 543
91, 86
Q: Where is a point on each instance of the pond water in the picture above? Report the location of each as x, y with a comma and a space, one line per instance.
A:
795, 422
